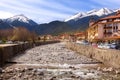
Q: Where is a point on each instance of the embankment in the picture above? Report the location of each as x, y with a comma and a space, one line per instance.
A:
109, 57
9, 51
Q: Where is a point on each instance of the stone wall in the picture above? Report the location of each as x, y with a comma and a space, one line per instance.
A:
109, 57
8, 52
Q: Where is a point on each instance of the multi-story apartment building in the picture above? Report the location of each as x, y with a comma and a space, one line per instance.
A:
107, 28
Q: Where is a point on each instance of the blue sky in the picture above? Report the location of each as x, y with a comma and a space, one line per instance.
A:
43, 11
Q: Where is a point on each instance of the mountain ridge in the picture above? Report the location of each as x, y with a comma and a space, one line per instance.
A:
78, 22
21, 21
100, 12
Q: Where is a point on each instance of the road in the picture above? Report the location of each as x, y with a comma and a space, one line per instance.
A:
53, 62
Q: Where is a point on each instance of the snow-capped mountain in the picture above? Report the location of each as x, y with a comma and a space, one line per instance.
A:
20, 18
100, 12
77, 16
78, 22
21, 21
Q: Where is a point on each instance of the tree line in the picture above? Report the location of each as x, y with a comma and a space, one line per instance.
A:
17, 34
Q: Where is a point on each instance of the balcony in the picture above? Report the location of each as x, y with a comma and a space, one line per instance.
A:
107, 32
116, 20
108, 27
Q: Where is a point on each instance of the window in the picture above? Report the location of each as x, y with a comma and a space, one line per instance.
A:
110, 20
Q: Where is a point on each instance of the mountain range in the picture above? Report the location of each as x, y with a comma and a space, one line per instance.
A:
77, 22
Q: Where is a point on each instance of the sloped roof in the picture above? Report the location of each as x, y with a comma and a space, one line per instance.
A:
117, 15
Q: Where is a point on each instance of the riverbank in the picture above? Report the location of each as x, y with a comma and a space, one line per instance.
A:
8, 51
109, 57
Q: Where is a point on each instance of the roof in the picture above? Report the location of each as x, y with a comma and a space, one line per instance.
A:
117, 15
80, 33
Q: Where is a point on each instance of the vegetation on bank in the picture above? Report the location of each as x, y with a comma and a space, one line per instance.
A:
17, 34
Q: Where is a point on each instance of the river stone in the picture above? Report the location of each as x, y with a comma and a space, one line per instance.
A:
110, 69
117, 71
99, 68
53, 78
40, 73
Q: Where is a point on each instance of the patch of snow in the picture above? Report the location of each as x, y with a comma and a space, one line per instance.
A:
77, 16
103, 11
21, 18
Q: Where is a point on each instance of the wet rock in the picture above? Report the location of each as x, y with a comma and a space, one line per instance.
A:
104, 70
23, 70
9, 71
20, 74
40, 73
71, 67
99, 68
92, 71
26, 69
73, 76
17, 69
110, 69
30, 68
34, 70
107, 69
0, 70
85, 73
26, 77
53, 78
117, 71
3, 71
71, 72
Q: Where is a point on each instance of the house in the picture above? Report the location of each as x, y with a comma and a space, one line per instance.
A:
105, 29
80, 35
64, 36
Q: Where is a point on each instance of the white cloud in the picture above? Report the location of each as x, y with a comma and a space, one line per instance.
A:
43, 14
53, 4
5, 14
46, 10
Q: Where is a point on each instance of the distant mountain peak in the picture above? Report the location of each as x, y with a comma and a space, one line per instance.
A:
104, 11
100, 12
20, 18
77, 16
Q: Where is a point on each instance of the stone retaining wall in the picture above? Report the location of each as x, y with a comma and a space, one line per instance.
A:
7, 52
109, 57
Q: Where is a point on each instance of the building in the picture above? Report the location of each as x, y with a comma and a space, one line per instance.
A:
105, 29
80, 35
64, 36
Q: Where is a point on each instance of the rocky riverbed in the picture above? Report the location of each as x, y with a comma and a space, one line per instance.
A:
55, 62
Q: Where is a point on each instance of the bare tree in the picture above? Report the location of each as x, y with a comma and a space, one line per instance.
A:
21, 34
33, 36
6, 34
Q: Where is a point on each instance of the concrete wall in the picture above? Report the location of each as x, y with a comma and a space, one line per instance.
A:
109, 57
8, 52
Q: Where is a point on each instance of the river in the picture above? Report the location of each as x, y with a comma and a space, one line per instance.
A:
54, 62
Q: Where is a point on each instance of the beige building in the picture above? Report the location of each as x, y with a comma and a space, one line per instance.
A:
107, 28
